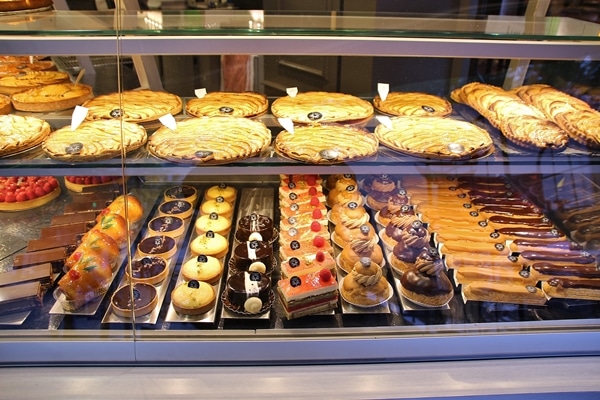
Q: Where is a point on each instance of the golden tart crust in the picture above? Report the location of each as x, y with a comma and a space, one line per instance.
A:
326, 144
60, 96
94, 140
244, 104
210, 140
17, 83
20, 133
17, 5
138, 105
19, 67
5, 105
319, 107
435, 138
413, 104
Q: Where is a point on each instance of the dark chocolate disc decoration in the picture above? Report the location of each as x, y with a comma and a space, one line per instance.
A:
499, 246
405, 208
116, 113
293, 196
194, 284
74, 148
453, 188
364, 229
254, 244
203, 153
352, 205
158, 241
467, 205
474, 214
168, 220
253, 217
295, 245
294, 207
222, 185
494, 235
136, 294
384, 176
220, 199
429, 109
461, 196
416, 224
294, 262
350, 188
146, 261
292, 220
545, 220
402, 192
295, 281
513, 258
226, 110
202, 258
210, 234
347, 175
483, 224
314, 116
524, 273
255, 276
292, 231
329, 154
531, 289
213, 215
292, 185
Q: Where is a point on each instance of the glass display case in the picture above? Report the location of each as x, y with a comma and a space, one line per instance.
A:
373, 52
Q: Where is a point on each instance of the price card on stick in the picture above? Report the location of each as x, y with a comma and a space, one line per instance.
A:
292, 92
169, 121
78, 116
383, 89
287, 124
200, 93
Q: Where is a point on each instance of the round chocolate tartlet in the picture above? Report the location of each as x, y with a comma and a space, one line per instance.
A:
176, 208
144, 300
181, 192
162, 246
166, 225
151, 270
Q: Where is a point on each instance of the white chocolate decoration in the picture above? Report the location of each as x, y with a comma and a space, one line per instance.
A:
253, 305
258, 266
255, 236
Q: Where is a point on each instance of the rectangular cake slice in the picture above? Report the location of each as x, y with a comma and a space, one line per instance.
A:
308, 294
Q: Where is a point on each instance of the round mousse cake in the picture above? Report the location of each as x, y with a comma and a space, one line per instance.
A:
202, 268
176, 208
143, 301
253, 255
181, 192
166, 225
254, 224
161, 246
248, 292
150, 270
193, 298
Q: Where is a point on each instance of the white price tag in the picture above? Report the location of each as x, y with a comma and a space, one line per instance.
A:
385, 121
292, 92
169, 121
383, 89
78, 116
287, 124
200, 93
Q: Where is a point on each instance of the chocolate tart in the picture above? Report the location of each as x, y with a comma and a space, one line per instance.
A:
181, 192
161, 246
150, 270
144, 300
176, 208
166, 225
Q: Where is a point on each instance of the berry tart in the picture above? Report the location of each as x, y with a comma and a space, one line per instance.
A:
27, 192
81, 183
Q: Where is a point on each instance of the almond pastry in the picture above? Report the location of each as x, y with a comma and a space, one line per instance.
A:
413, 104
435, 137
519, 122
16, 83
18, 133
245, 104
137, 105
313, 107
94, 140
210, 140
60, 96
326, 144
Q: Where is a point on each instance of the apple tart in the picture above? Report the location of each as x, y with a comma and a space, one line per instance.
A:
137, 106
244, 104
326, 144
210, 140
5, 105
15, 68
322, 107
20, 133
94, 140
435, 138
27, 80
413, 104
60, 96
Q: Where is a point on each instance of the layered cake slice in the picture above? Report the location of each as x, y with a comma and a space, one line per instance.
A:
308, 294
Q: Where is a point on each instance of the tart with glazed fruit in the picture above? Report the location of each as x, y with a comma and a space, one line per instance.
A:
27, 192
81, 183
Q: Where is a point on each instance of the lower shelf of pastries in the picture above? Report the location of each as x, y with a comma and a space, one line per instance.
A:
330, 258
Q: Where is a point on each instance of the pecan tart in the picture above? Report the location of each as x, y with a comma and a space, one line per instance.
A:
60, 96
326, 144
20, 133
210, 140
94, 140
320, 107
244, 104
413, 104
27, 80
435, 138
133, 105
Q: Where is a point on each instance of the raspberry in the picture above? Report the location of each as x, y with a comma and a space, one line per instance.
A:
319, 241
314, 201
320, 256
10, 198
74, 275
313, 191
311, 180
317, 214
22, 196
39, 191
325, 275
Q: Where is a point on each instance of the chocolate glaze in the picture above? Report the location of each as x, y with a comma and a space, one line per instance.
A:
567, 270
478, 194
584, 217
534, 222
156, 244
166, 224
482, 201
143, 295
577, 257
236, 288
429, 285
494, 187
575, 283
509, 210
264, 254
180, 192
254, 223
385, 212
175, 207
89, 216
535, 233
587, 232
561, 244
147, 267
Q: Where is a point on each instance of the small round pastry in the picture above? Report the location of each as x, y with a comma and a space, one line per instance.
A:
344, 233
193, 298
365, 286
143, 302
248, 292
176, 208
357, 249
331, 180
394, 230
393, 209
342, 184
210, 244
166, 225
181, 192
203, 268
228, 193
213, 222
150, 270
407, 249
254, 254
382, 190
255, 224
426, 290
218, 205
161, 246
351, 211
126, 205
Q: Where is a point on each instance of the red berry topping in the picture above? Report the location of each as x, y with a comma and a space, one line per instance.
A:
313, 191
21, 196
311, 180
315, 226
317, 214
74, 275
10, 198
319, 241
320, 256
325, 275
314, 201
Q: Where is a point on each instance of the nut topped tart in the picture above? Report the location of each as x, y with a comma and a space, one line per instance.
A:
326, 144
20, 133
60, 96
17, 83
244, 104
413, 104
94, 140
319, 107
133, 105
210, 140
435, 138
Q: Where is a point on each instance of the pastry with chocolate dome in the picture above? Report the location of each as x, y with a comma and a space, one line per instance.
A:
250, 226
253, 255
357, 249
397, 206
248, 292
383, 188
365, 286
143, 301
412, 241
394, 231
193, 298
426, 284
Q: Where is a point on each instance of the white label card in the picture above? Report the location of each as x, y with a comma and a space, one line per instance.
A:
385, 121
169, 121
383, 89
292, 91
200, 93
78, 116
287, 124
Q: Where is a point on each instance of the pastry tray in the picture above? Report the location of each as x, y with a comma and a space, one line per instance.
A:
16, 318
259, 201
